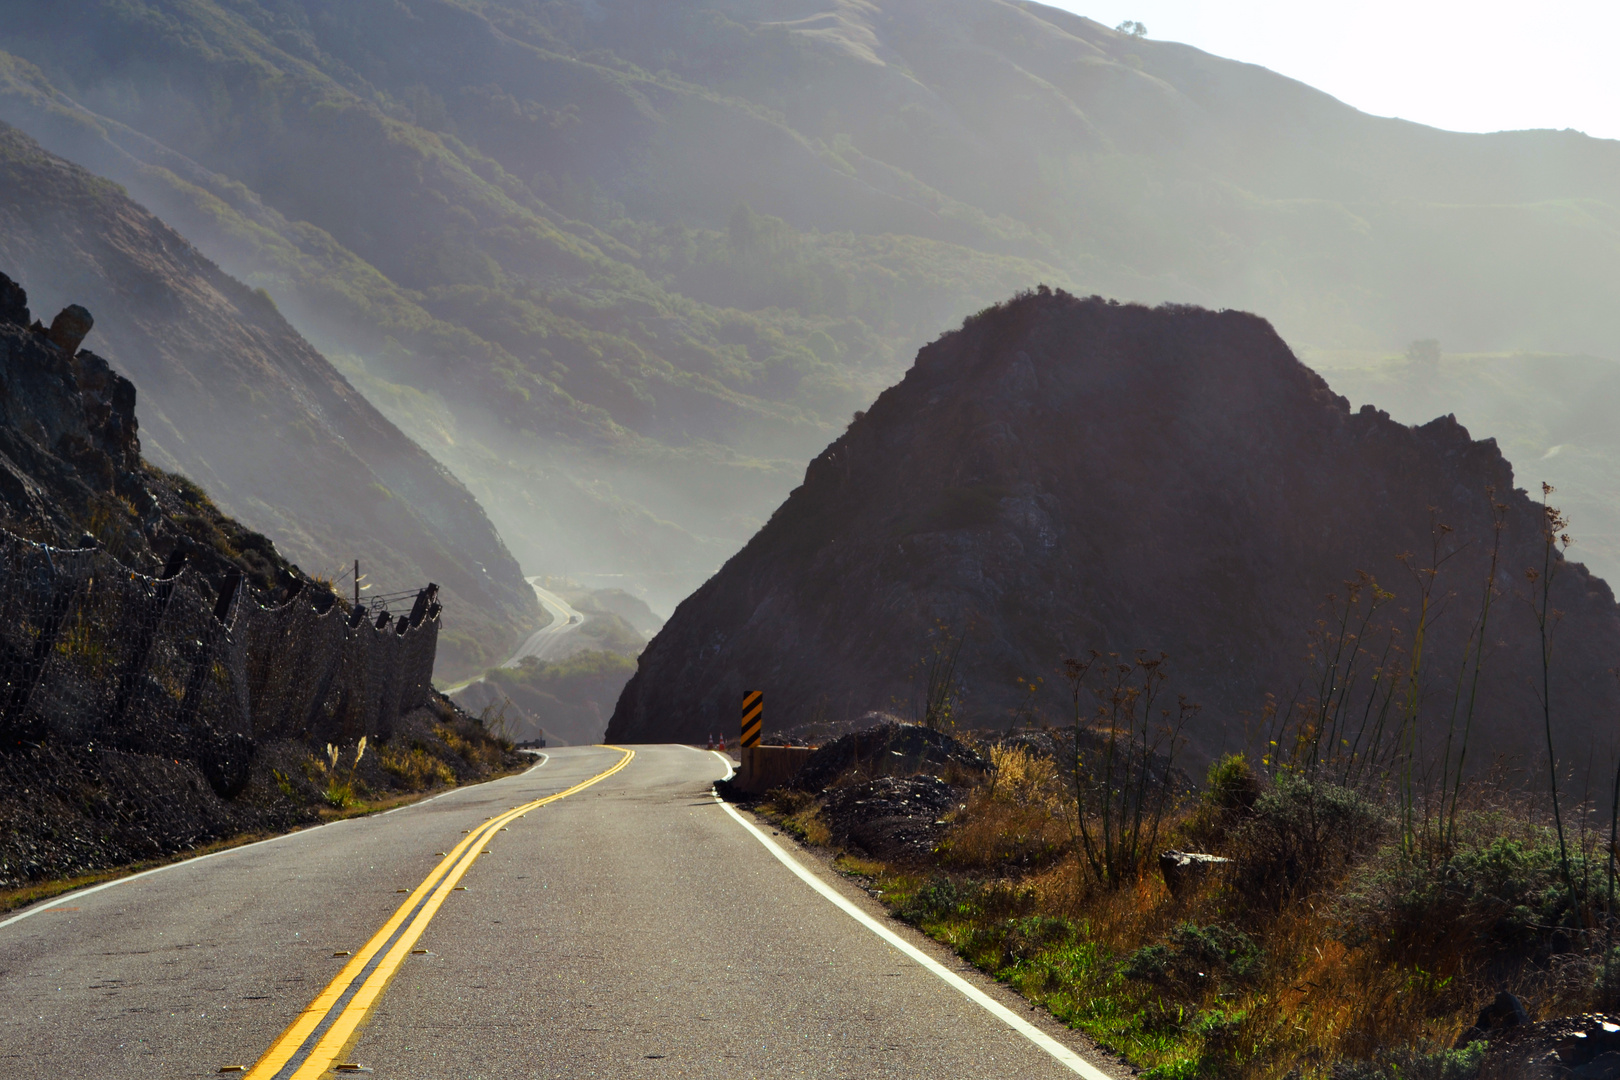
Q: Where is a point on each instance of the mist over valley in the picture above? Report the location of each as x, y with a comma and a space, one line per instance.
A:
813, 479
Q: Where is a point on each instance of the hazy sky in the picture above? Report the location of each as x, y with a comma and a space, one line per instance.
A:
1481, 66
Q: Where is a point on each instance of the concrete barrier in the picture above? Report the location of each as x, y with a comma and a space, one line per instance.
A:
767, 767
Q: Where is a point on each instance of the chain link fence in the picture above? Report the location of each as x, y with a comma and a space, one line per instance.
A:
95, 654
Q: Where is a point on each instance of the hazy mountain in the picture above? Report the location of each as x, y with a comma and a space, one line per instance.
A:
623, 265
1064, 475
233, 398
567, 698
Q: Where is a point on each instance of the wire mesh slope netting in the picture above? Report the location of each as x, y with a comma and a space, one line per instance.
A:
94, 653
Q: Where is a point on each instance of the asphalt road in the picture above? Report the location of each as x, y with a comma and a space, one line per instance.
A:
551, 640
635, 928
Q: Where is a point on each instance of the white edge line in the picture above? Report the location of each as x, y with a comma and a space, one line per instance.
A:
79, 894
1062, 1053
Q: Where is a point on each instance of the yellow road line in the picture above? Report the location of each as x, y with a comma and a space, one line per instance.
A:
434, 888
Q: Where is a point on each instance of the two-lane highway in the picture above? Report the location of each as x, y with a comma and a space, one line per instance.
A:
633, 927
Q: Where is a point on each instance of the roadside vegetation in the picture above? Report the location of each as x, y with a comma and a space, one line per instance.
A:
82, 817
1363, 889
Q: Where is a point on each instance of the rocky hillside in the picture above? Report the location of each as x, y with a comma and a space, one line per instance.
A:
235, 399
1550, 413
1062, 475
71, 471
631, 264
110, 752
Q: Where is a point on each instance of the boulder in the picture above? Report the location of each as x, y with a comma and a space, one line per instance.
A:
70, 327
1183, 868
1505, 1012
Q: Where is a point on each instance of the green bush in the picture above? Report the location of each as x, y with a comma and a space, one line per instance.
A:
940, 899
1300, 834
1196, 952
1507, 896
1463, 1064
1231, 784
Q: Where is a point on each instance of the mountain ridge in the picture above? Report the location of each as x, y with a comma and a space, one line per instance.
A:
237, 400
629, 263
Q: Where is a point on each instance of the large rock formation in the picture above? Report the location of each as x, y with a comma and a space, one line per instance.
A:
1062, 475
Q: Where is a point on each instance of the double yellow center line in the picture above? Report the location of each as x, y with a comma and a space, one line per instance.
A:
312, 1043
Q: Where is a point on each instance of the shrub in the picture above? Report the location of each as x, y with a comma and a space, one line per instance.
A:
941, 898
1300, 835
415, 768
1193, 953
1231, 785
1012, 819
1463, 1064
1506, 896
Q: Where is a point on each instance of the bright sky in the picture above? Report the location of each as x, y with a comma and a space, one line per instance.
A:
1480, 66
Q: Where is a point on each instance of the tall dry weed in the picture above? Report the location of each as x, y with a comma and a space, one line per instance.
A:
1013, 819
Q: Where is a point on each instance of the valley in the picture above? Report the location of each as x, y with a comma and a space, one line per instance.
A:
1142, 527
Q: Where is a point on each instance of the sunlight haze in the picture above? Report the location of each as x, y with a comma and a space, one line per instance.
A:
1462, 67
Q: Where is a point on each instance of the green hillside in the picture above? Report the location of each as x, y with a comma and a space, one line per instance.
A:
624, 266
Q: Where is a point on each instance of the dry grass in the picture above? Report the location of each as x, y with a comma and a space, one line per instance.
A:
1013, 819
414, 768
1324, 942
478, 752
798, 814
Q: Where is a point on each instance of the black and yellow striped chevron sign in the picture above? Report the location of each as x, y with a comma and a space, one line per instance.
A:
753, 717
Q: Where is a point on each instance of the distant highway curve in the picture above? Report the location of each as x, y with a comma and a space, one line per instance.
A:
551, 640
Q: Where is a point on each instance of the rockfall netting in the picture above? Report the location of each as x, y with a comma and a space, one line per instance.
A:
94, 654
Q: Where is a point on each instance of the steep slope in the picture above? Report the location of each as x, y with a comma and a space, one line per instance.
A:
236, 400
166, 671
1062, 475
1553, 414
629, 261
71, 470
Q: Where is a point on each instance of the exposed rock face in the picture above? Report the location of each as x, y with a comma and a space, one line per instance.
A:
1063, 475
71, 470
114, 785
70, 327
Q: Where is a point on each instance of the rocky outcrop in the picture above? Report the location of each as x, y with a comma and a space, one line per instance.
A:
71, 471
888, 749
148, 704
1065, 474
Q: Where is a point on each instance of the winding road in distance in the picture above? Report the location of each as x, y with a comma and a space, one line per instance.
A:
601, 915
550, 639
